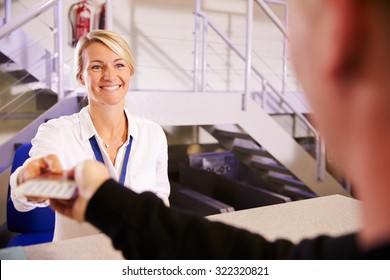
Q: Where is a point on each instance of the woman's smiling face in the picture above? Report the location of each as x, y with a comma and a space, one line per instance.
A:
105, 75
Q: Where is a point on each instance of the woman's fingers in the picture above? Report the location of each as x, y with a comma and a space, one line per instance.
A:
52, 164
37, 167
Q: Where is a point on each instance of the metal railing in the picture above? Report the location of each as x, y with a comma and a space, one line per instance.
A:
200, 61
43, 6
282, 29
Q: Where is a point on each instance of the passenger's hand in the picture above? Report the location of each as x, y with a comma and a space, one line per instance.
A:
89, 176
44, 165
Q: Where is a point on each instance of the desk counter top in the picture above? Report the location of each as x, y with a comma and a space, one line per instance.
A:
92, 247
332, 215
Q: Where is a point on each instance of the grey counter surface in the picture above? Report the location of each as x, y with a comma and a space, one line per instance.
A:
332, 215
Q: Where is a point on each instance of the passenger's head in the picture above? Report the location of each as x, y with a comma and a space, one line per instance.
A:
340, 50
110, 39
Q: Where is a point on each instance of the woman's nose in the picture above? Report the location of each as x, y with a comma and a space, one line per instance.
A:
108, 74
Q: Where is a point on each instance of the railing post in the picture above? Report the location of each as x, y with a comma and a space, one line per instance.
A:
272, 16
294, 126
7, 10
108, 15
264, 94
248, 55
321, 158
58, 49
285, 52
196, 51
204, 52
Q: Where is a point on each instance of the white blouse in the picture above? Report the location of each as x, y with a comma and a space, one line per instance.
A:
68, 138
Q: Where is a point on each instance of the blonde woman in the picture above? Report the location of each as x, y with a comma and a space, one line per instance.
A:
133, 149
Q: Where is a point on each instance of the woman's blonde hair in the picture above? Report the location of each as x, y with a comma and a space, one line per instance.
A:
110, 39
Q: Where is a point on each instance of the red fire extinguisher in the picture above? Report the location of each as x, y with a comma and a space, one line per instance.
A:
102, 17
80, 20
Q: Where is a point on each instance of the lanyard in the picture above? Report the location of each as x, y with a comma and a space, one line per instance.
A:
99, 156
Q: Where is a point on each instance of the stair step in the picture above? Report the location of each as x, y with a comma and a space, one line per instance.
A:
196, 202
4, 58
297, 193
45, 98
232, 134
287, 181
23, 76
232, 192
19, 115
258, 151
269, 166
310, 148
28, 101
9, 127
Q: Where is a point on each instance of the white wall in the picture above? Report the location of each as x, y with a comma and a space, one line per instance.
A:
161, 36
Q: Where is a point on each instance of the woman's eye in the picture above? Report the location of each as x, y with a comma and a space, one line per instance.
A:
96, 67
120, 65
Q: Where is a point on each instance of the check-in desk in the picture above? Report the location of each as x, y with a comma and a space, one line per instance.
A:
332, 215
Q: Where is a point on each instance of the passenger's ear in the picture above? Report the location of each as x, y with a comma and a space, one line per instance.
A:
345, 30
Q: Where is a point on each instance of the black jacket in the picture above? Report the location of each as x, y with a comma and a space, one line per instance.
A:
143, 228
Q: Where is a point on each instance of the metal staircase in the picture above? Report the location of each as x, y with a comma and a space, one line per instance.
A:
31, 75
263, 133
23, 97
262, 162
307, 175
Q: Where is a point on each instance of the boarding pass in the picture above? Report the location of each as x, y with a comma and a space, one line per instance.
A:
48, 186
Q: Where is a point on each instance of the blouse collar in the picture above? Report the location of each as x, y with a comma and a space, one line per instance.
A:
88, 129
